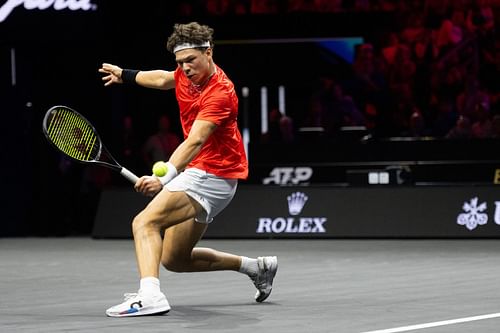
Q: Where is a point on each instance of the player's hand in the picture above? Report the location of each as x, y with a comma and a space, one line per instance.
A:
148, 185
113, 74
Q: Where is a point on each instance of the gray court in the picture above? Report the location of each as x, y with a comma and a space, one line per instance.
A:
351, 286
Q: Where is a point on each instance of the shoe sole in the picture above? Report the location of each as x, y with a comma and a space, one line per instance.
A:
155, 312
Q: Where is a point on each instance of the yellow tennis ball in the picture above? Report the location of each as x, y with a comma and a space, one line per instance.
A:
160, 169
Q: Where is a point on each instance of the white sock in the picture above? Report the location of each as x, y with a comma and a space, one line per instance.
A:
249, 266
150, 285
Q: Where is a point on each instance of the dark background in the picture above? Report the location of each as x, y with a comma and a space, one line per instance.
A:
58, 53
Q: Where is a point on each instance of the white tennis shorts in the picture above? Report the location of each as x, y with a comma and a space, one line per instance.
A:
211, 192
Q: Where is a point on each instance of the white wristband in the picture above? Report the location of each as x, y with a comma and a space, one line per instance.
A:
171, 174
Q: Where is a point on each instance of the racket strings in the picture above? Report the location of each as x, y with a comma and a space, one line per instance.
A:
73, 135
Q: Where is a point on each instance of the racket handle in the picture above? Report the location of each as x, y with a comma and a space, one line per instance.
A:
129, 175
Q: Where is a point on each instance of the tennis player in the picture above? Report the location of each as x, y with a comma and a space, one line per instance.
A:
202, 176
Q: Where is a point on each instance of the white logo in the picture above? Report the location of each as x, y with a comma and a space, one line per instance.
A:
303, 225
497, 212
473, 215
10, 5
296, 202
288, 175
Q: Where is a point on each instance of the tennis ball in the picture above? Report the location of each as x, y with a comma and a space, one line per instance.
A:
160, 169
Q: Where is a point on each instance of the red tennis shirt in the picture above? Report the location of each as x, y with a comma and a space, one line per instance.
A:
223, 154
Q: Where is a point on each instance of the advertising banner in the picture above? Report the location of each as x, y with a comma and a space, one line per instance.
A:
330, 212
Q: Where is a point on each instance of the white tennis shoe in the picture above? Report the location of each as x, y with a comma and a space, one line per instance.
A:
138, 304
263, 281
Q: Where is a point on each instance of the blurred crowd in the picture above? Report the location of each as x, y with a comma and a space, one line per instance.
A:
436, 76
244, 7
251, 7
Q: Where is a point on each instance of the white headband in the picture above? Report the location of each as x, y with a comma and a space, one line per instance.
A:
184, 46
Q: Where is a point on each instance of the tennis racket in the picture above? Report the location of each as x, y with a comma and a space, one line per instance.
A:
72, 134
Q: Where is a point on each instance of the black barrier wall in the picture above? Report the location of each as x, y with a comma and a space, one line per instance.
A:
328, 212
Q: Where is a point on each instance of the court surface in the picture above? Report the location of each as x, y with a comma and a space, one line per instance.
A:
347, 286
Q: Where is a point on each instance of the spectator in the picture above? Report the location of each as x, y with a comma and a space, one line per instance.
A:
162, 144
402, 72
185, 8
218, 7
263, 6
415, 29
470, 97
417, 126
314, 114
461, 130
361, 5
321, 102
482, 126
128, 145
327, 6
495, 126
446, 37
368, 83
445, 119
480, 17
389, 51
297, 6
402, 116
280, 128
344, 109
368, 87
435, 12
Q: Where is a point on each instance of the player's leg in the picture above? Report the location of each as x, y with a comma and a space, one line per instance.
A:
165, 210
181, 255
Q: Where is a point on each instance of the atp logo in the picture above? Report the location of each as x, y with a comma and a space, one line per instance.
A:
292, 224
475, 214
289, 175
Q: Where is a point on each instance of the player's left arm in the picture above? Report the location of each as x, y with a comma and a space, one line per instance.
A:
156, 79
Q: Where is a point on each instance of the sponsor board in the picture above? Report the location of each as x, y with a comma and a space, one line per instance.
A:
369, 212
263, 211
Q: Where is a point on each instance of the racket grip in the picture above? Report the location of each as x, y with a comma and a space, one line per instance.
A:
129, 175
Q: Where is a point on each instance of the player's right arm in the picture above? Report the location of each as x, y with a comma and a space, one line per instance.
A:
156, 79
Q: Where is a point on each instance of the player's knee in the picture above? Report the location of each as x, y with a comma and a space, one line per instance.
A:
140, 223
170, 264
173, 264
